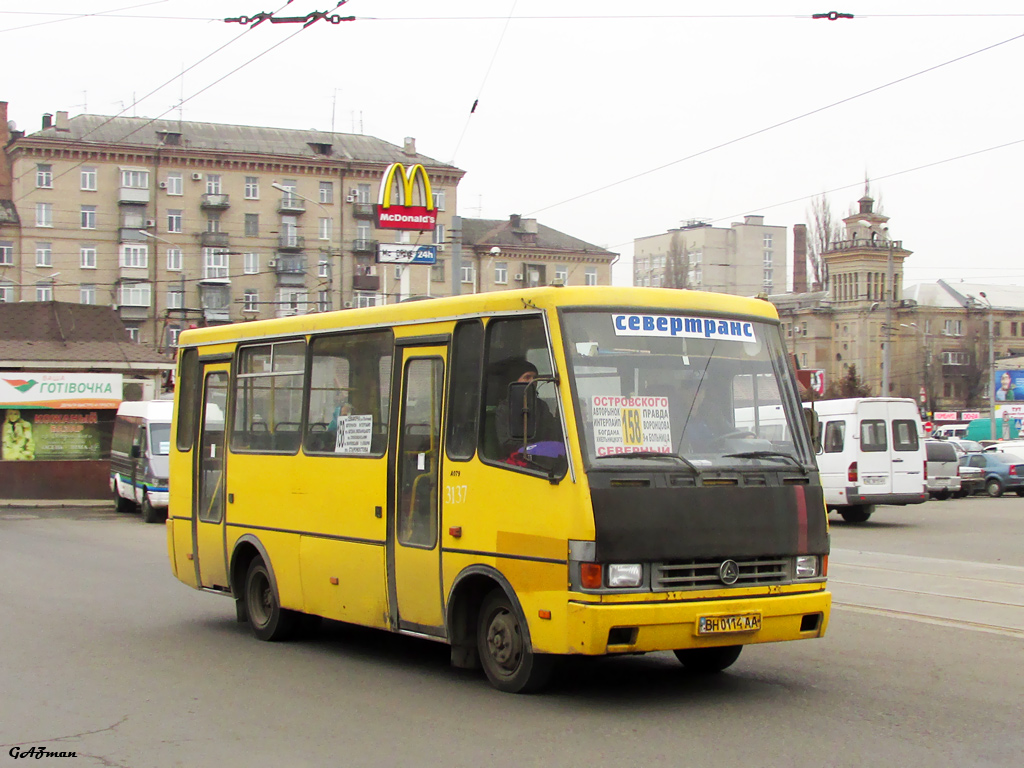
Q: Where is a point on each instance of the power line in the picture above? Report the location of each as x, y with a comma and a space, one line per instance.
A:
766, 129
68, 17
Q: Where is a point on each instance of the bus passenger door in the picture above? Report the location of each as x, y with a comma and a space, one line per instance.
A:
414, 552
208, 499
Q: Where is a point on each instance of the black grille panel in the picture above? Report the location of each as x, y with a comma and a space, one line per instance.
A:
703, 574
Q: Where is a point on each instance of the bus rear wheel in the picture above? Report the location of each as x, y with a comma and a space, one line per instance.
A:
857, 514
511, 666
121, 504
707, 661
267, 619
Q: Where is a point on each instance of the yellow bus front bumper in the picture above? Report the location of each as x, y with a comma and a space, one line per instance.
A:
667, 626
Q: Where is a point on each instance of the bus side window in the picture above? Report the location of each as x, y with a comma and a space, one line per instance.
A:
465, 382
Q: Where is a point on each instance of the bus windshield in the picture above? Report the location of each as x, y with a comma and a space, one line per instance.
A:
707, 391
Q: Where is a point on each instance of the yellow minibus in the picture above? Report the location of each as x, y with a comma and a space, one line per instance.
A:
523, 475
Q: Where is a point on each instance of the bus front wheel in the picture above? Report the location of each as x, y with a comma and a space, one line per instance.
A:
511, 666
706, 661
151, 514
267, 619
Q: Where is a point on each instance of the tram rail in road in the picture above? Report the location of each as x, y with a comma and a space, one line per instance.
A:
969, 595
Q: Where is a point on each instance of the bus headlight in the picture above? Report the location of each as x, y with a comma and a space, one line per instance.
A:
806, 566
625, 575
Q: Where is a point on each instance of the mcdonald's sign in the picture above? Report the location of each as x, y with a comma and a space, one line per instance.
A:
406, 201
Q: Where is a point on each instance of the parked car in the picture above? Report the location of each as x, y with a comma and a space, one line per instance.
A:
1011, 446
963, 446
1003, 471
943, 476
972, 479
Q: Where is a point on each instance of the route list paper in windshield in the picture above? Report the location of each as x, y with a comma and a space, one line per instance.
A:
683, 327
630, 424
354, 434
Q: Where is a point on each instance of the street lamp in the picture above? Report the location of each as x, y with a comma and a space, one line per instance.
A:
991, 369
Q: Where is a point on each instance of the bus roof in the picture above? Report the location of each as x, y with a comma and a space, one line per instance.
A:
451, 307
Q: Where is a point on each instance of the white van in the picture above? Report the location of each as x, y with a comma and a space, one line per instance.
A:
870, 451
139, 455
950, 430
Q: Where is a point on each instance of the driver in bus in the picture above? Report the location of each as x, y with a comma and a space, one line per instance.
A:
548, 429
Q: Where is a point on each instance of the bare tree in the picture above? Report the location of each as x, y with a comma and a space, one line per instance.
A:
822, 231
677, 265
850, 385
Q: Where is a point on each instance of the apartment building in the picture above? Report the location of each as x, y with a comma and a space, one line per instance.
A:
522, 253
747, 258
185, 223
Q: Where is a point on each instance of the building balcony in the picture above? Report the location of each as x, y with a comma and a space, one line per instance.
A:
291, 204
365, 282
133, 195
291, 242
364, 210
290, 269
861, 244
131, 312
214, 239
131, 235
215, 201
364, 246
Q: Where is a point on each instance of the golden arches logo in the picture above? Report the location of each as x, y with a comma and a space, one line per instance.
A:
407, 187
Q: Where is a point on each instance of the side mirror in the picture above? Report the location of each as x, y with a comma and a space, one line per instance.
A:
813, 427
522, 410
136, 451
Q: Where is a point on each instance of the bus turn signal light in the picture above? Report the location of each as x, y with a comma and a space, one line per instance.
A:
590, 575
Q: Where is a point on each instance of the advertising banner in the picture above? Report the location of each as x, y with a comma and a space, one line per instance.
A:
49, 435
60, 390
397, 253
1009, 386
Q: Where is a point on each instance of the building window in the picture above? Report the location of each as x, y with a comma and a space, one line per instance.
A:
133, 333
44, 255
327, 192
252, 225
174, 259
437, 271
87, 257
252, 188
439, 234
953, 328
134, 256
6, 254
213, 183
468, 273
175, 299
44, 290
562, 273
174, 220
364, 299
323, 268
1013, 329
134, 178
44, 214
213, 221
87, 175
174, 183
251, 301
768, 239
438, 195
323, 302
6, 293
325, 229
403, 236
251, 263
88, 217
135, 294
291, 302
86, 294
44, 176
501, 272
591, 276
767, 259
173, 332
997, 329
956, 358
215, 263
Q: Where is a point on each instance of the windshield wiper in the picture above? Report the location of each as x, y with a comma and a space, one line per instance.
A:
653, 455
763, 455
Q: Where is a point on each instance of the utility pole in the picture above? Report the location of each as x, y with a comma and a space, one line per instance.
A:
991, 370
456, 255
887, 344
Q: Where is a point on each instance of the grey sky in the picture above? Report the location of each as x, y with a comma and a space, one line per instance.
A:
576, 96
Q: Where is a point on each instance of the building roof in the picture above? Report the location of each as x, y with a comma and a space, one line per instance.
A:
61, 333
952, 295
528, 234
220, 137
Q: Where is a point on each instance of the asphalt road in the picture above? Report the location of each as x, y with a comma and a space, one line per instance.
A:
106, 654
